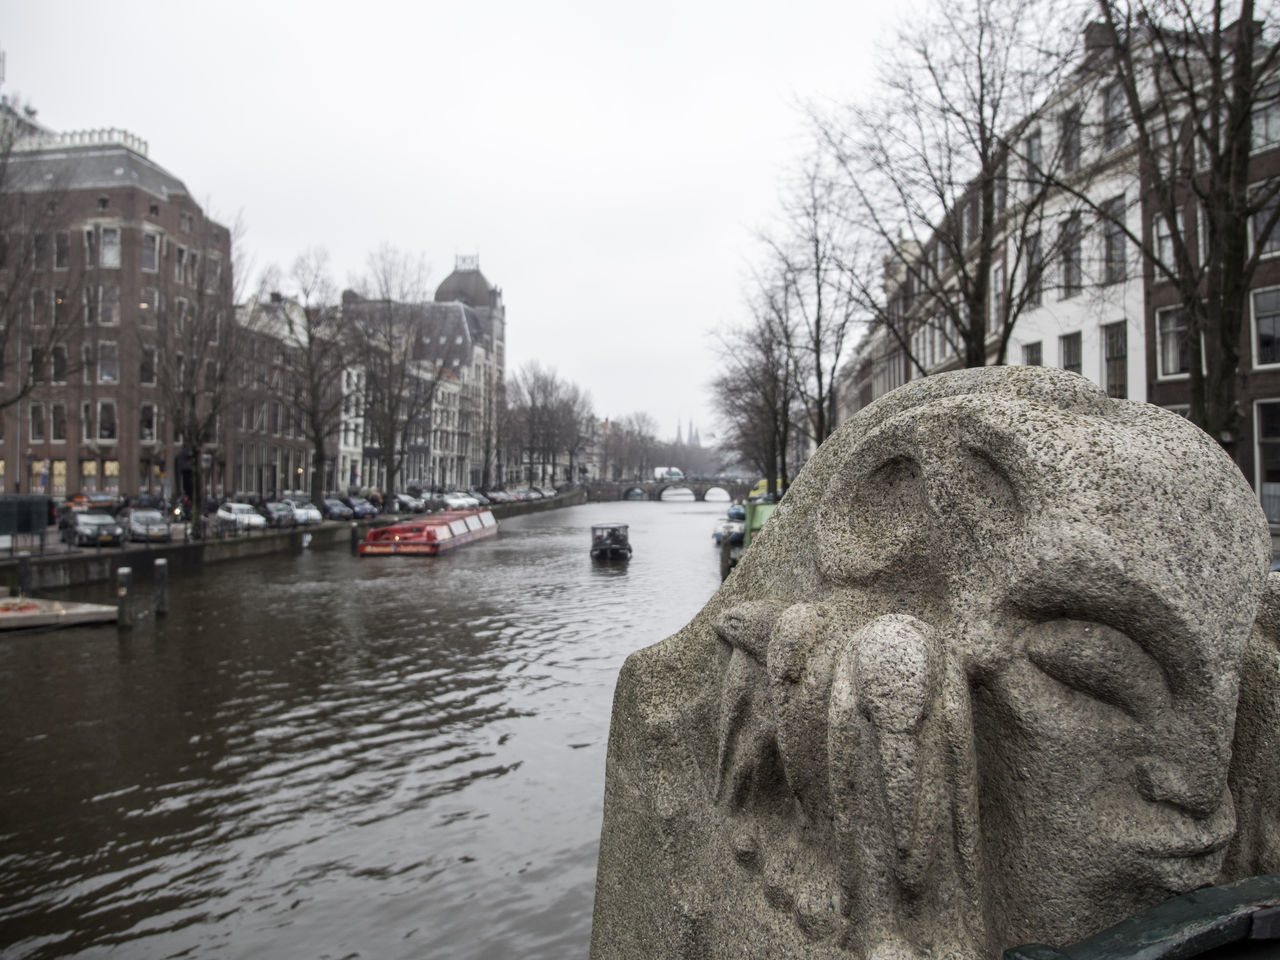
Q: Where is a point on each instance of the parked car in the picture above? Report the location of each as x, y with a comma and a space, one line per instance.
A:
479, 497
146, 525
335, 509
500, 496
547, 492
93, 529
278, 513
409, 504
459, 501
239, 516
361, 508
305, 512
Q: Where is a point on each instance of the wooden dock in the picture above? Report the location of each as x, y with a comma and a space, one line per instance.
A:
29, 613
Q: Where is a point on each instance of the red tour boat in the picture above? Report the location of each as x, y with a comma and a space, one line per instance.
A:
429, 535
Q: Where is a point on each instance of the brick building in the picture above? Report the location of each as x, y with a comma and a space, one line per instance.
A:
109, 254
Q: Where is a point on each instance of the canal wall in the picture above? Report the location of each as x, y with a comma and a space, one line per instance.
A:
62, 568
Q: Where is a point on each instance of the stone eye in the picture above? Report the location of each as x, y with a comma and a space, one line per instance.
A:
1099, 661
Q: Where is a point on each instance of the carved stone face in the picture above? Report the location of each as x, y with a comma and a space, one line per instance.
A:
976, 683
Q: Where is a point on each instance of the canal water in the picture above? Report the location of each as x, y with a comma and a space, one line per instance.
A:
320, 756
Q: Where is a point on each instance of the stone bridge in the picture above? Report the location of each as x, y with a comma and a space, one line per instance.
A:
599, 490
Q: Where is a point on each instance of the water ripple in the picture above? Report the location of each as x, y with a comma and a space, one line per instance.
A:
319, 756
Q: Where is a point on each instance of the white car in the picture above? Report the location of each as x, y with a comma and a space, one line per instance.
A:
459, 501
239, 516
305, 512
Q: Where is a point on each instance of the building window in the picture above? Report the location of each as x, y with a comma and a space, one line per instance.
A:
1162, 233
89, 297
1034, 158
193, 269
184, 222
1267, 240
103, 203
1069, 134
106, 420
1266, 117
1268, 433
1031, 354
61, 307
1113, 241
1069, 351
111, 247
90, 248
153, 210
58, 426
109, 305
180, 265
108, 362
1071, 256
1114, 117
150, 252
1266, 323
36, 428
1115, 356
1035, 267
38, 372
147, 423
86, 363
59, 363
39, 307
147, 367
86, 421
148, 303
1173, 357
61, 250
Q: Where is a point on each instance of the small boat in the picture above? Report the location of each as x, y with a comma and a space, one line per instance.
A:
609, 541
429, 535
733, 524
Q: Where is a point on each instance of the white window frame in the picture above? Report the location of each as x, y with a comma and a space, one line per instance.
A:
1161, 376
1275, 237
155, 267
1253, 329
117, 256
115, 416
102, 348
103, 320
53, 420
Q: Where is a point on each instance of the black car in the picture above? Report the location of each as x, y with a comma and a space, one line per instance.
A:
277, 513
334, 509
93, 530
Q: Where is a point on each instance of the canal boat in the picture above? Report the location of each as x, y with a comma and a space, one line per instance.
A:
609, 541
429, 535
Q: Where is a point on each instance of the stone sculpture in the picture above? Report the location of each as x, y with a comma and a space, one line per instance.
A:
975, 685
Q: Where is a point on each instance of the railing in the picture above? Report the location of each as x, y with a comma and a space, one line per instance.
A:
103, 136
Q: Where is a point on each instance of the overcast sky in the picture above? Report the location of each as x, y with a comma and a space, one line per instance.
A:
610, 164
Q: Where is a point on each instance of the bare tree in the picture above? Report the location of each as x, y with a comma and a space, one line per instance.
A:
385, 323
199, 342
1193, 87
312, 328
810, 298
944, 171
756, 395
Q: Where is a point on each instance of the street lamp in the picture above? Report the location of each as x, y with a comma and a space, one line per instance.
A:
299, 487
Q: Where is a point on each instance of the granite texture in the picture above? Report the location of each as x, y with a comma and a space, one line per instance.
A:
975, 685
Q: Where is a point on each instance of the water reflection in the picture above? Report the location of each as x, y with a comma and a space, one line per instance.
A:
316, 755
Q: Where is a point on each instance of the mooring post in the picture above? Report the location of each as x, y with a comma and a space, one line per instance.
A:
355, 537
24, 573
124, 599
162, 586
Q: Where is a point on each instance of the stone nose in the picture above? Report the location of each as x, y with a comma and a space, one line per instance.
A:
1195, 787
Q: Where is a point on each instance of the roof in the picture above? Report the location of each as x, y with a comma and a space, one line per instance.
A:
468, 285
89, 167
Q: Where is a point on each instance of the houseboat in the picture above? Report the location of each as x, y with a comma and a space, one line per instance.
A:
429, 535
